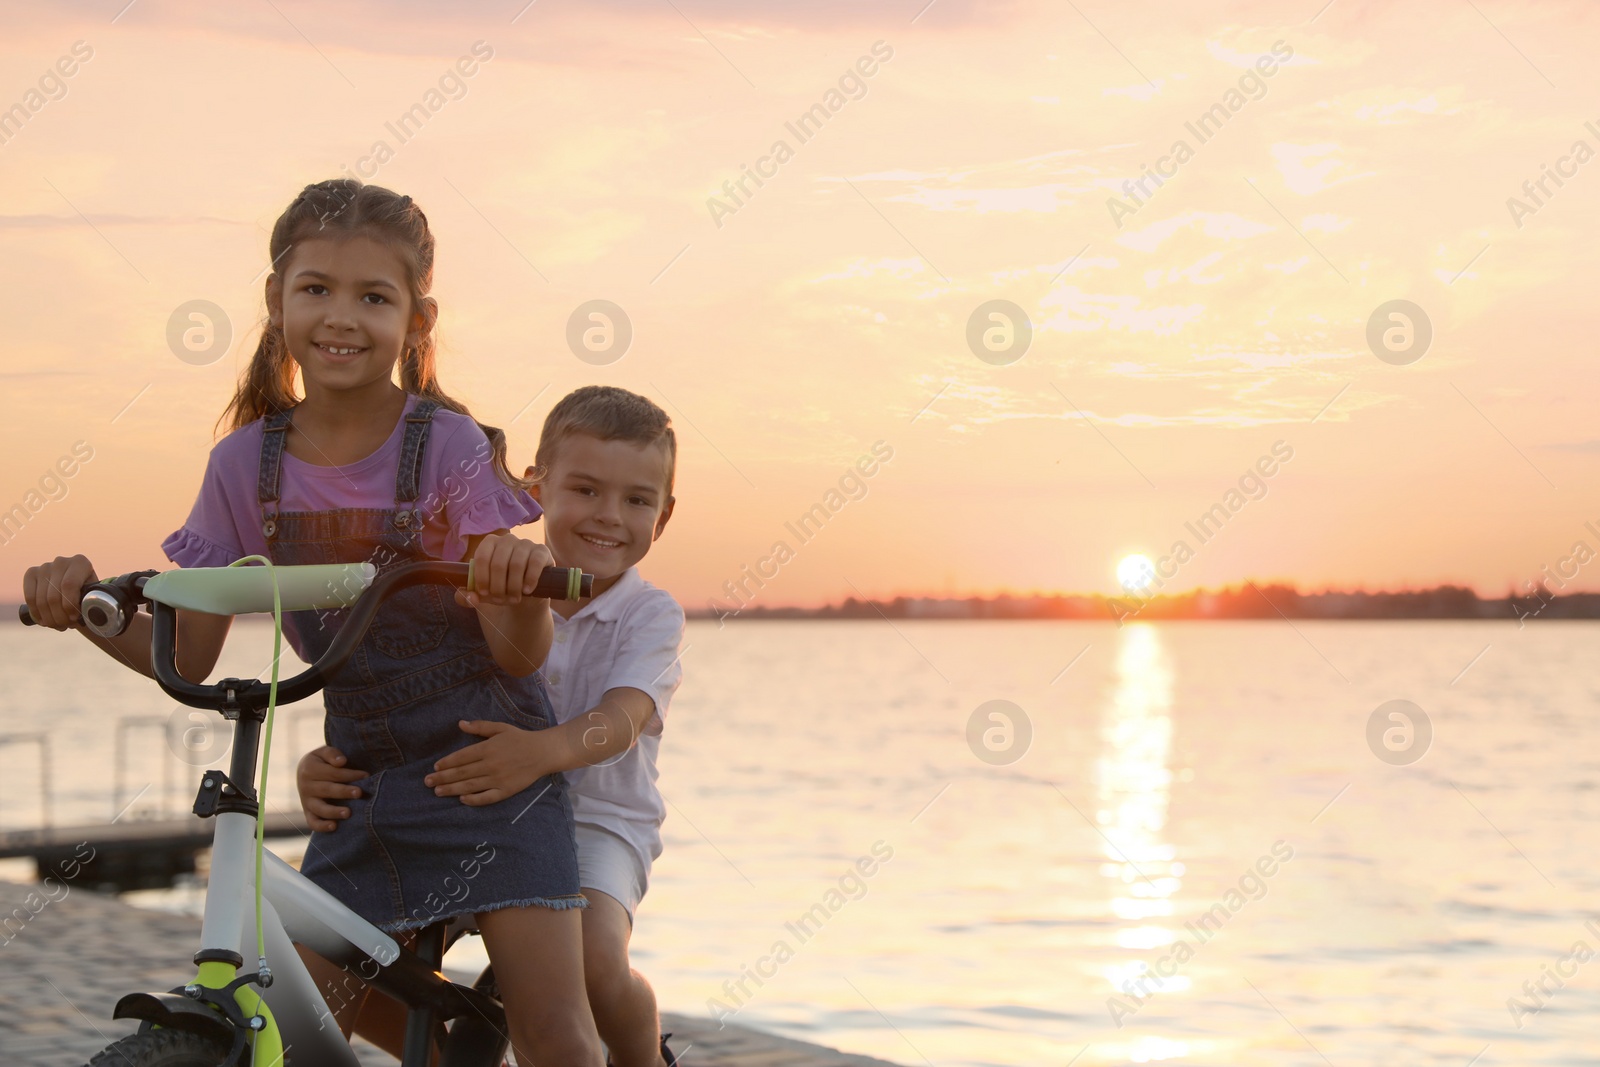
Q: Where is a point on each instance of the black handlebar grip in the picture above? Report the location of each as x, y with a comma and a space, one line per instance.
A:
555, 583
560, 583
25, 616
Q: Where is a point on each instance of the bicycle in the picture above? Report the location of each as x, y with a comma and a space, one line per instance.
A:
218, 1019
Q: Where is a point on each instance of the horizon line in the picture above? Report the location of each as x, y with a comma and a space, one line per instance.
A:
712, 603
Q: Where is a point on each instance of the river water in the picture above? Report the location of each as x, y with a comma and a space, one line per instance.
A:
1182, 843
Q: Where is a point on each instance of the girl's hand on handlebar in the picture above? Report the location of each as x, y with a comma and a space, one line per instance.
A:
52, 590
323, 779
506, 569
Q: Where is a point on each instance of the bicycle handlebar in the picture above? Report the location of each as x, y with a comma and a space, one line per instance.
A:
554, 583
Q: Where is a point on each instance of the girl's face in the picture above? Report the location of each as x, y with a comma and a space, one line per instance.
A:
345, 310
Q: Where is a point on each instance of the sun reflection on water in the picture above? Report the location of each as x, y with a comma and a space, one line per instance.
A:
1133, 782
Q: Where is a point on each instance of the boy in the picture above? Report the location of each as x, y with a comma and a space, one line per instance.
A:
607, 458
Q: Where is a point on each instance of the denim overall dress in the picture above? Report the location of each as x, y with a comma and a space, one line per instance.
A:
406, 858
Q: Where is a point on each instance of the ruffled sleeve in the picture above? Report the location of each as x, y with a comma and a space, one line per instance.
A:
501, 509
210, 537
188, 549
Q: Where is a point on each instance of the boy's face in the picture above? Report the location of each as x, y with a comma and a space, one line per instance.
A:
604, 503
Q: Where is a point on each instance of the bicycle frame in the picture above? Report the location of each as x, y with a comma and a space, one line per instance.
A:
294, 910
285, 1009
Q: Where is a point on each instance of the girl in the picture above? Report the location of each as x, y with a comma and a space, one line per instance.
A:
361, 469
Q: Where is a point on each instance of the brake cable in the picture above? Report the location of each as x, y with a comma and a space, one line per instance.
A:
262, 970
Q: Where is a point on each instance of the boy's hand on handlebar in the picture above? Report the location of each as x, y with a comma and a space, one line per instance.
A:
506, 569
323, 780
490, 771
52, 590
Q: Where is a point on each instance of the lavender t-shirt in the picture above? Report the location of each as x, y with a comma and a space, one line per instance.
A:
459, 492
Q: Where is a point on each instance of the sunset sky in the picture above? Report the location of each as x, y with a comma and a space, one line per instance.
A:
1176, 338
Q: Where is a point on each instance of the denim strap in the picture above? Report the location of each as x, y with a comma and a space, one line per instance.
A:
268, 481
408, 478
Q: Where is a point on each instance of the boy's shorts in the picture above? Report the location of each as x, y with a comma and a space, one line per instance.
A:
608, 863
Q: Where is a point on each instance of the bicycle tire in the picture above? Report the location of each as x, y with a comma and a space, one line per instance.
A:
163, 1048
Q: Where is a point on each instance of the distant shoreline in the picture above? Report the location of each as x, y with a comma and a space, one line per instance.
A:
1248, 601
1241, 602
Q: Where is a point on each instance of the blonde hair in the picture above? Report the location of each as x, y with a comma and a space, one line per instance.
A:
611, 414
342, 208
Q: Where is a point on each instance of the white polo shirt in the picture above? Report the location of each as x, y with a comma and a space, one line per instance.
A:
626, 636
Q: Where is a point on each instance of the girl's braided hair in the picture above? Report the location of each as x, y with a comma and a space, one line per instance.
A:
342, 208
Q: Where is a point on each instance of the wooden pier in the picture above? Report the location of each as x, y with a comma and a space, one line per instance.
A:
130, 854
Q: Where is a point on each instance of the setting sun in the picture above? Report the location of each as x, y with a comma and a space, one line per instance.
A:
1135, 572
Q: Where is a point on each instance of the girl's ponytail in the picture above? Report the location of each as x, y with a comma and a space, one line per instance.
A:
342, 208
267, 386
417, 376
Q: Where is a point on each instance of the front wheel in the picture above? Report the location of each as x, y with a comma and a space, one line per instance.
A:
164, 1048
